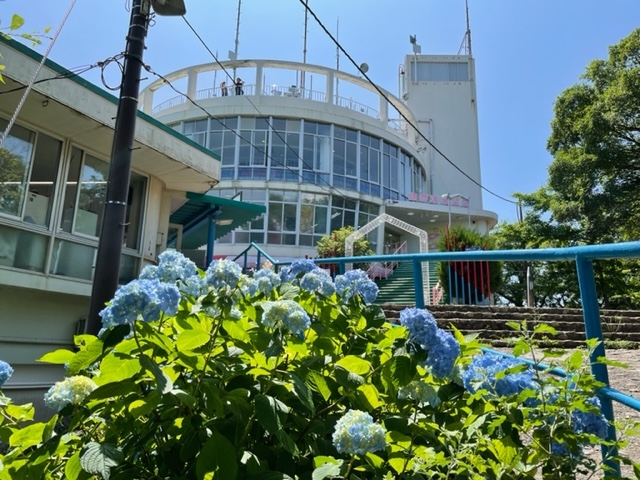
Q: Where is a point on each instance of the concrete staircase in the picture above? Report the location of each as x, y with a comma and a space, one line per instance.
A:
621, 328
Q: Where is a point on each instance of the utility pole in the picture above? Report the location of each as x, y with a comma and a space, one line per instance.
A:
107, 268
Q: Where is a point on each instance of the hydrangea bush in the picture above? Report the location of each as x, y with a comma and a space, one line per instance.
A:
215, 374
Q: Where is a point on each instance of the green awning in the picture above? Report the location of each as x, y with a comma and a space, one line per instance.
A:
194, 217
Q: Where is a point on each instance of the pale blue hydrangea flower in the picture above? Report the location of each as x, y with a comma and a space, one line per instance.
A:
591, 422
235, 313
71, 390
141, 299
5, 372
193, 286
223, 273
481, 374
421, 392
356, 282
263, 281
290, 313
421, 325
172, 267
442, 354
303, 265
356, 433
318, 281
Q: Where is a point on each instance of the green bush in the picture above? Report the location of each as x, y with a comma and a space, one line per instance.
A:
201, 375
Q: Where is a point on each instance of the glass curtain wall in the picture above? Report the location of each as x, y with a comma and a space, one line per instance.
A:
300, 151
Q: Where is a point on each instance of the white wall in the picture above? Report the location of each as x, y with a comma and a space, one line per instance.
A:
452, 109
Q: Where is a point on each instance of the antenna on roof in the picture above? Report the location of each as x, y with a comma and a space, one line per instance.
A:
468, 33
235, 52
465, 46
304, 47
337, 52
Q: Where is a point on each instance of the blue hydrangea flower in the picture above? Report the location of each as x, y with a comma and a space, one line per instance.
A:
443, 354
421, 325
302, 265
481, 374
263, 281
356, 282
318, 281
223, 273
590, 422
193, 286
290, 313
356, 433
5, 372
421, 392
71, 390
141, 299
172, 267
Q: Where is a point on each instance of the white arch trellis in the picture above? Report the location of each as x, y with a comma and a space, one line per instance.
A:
396, 222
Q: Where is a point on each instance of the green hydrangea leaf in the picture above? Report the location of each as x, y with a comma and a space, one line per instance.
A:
99, 459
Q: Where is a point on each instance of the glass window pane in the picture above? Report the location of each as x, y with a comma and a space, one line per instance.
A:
42, 181
15, 158
293, 126
73, 260
247, 123
324, 129
135, 210
22, 249
321, 220
93, 189
352, 158
290, 216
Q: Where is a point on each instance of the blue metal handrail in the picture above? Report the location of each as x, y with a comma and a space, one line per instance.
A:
582, 255
259, 253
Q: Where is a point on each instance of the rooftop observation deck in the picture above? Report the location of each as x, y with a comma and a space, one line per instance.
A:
257, 75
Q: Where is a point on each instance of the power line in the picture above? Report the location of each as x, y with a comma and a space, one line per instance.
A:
239, 135
304, 164
381, 92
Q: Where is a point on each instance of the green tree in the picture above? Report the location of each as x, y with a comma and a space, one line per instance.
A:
591, 193
332, 246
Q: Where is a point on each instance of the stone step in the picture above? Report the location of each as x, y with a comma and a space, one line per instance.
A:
489, 322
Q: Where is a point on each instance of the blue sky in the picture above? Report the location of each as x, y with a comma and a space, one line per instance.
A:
527, 52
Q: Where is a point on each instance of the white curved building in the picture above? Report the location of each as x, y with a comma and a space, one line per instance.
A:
327, 149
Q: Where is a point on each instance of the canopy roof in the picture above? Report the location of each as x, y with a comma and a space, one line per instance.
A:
228, 214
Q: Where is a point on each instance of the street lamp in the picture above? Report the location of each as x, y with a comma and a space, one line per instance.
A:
449, 196
105, 277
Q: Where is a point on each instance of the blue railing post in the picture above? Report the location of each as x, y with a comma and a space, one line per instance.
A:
593, 329
418, 282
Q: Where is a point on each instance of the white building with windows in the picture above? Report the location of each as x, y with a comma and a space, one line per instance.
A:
53, 174
324, 149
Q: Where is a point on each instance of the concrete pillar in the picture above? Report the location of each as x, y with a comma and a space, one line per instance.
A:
329, 88
258, 82
384, 110
192, 84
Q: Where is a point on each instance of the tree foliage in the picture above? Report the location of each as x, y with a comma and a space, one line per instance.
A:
12, 31
332, 245
591, 193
